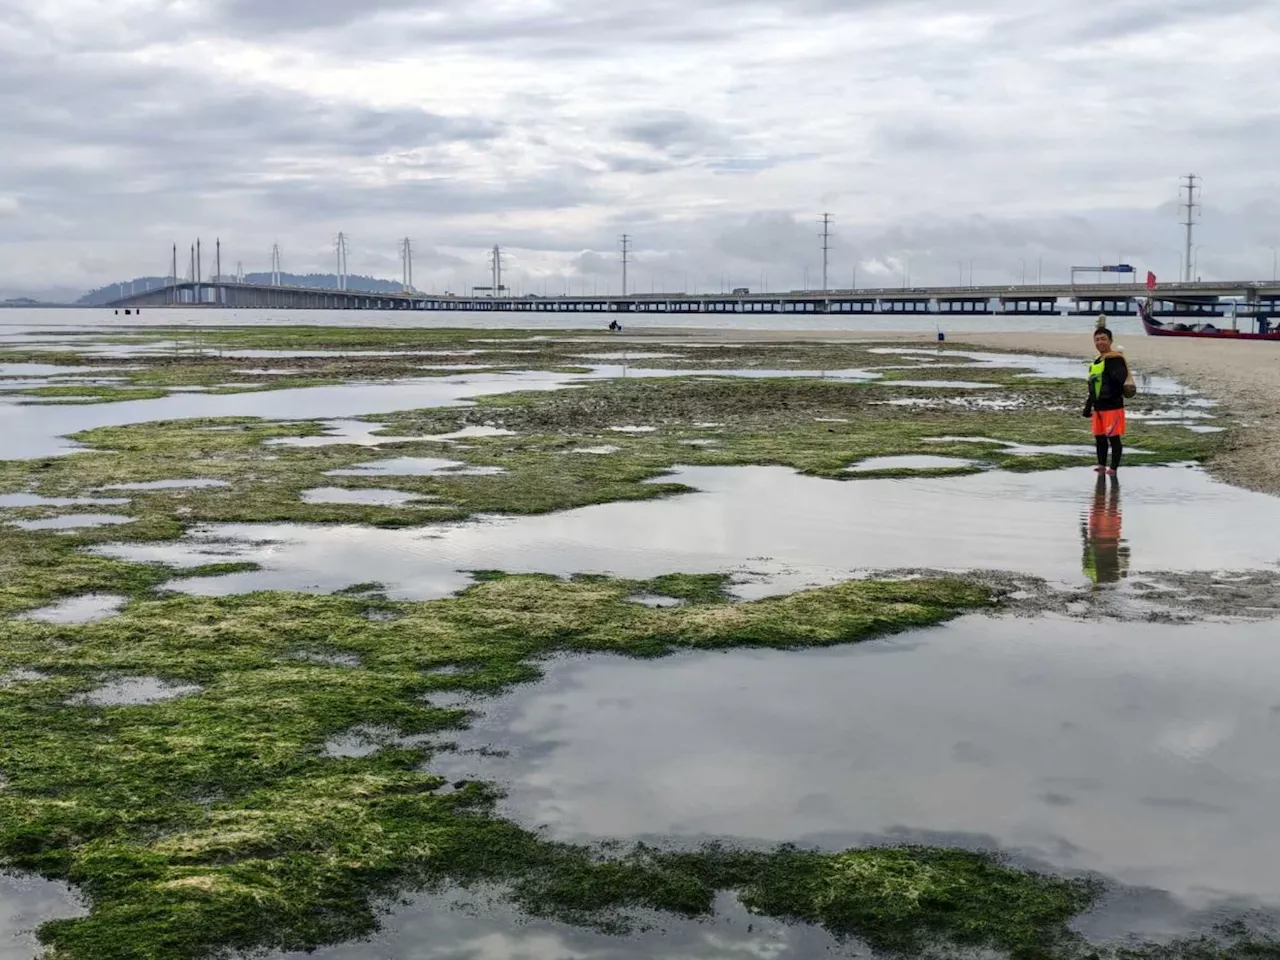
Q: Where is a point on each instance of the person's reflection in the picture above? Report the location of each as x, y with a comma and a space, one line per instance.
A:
1106, 557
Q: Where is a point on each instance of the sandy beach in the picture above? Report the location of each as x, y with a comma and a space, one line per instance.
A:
1244, 376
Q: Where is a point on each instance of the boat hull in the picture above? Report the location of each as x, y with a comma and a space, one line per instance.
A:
1219, 334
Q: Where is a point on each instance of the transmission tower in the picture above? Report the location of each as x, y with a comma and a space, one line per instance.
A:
239, 271
340, 245
626, 259
495, 264
275, 265
1190, 186
826, 248
406, 262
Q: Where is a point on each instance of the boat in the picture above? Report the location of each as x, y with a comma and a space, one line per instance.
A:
1207, 329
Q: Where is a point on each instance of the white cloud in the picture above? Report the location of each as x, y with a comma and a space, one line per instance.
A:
1008, 132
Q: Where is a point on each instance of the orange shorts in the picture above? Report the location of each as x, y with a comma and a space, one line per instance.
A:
1108, 423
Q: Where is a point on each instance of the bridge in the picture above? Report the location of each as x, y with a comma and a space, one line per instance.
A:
1246, 299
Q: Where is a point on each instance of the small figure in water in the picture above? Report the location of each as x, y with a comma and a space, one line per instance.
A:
1106, 557
614, 325
1105, 406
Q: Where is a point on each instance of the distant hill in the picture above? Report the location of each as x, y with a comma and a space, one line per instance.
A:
21, 302
317, 281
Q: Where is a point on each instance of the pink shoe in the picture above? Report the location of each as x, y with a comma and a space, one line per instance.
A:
1099, 469
1110, 472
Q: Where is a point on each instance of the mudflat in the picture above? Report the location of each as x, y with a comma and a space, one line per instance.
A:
1244, 375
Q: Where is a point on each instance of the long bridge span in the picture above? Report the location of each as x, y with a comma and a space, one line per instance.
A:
1196, 300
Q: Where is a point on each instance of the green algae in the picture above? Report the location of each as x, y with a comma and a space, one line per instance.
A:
215, 820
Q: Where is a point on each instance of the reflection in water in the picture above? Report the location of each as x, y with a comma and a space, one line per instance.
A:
1143, 751
1106, 554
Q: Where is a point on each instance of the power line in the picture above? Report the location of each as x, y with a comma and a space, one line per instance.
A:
626, 254
1191, 207
826, 248
406, 260
495, 264
340, 245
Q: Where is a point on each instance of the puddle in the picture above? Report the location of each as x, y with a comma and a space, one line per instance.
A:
417, 467
634, 429
623, 355
872, 464
83, 609
26, 903
1142, 751
655, 601
36, 431
478, 925
803, 530
44, 370
1031, 449
348, 660
35, 500
366, 497
365, 741
134, 691
195, 484
700, 443
597, 451
75, 521
471, 433
943, 384
15, 677
354, 433
268, 372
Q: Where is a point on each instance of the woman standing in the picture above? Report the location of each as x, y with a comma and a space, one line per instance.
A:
1105, 406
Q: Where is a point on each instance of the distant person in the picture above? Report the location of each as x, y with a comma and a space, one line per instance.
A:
614, 325
1108, 379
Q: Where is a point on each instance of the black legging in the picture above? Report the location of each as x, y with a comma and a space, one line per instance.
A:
1117, 450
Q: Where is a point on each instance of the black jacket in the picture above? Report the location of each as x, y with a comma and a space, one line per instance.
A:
1111, 388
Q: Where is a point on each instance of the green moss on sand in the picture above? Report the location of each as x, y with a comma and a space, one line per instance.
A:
216, 820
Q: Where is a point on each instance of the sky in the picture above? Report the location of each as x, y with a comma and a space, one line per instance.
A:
1001, 139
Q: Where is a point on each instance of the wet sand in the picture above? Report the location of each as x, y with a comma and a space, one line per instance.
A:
1244, 376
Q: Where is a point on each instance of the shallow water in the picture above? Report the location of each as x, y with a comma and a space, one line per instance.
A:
37, 431
417, 467
35, 500
135, 691
785, 529
872, 464
191, 484
84, 609
92, 320
362, 497
74, 521
26, 903
354, 433
1142, 751
477, 926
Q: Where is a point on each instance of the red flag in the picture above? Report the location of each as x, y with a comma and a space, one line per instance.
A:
1151, 280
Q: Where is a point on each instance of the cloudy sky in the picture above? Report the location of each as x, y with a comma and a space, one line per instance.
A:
1002, 135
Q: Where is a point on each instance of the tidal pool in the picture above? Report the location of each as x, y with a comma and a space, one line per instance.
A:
83, 609
480, 926
872, 464
27, 902
781, 531
1144, 752
74, 521
361, 497
39, 431
416, 467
